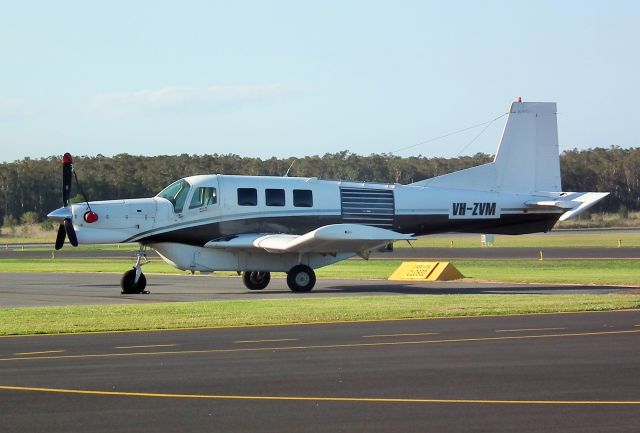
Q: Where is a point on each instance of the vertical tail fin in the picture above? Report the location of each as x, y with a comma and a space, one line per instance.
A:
527, 159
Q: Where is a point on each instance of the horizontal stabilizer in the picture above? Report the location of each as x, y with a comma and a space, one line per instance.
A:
572, 202
552, 204
582, 201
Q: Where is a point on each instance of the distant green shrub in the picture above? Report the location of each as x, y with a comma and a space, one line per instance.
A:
46, 225
623, 212
29, 218
10, 221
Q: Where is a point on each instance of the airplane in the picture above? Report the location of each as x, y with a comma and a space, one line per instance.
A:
256, 225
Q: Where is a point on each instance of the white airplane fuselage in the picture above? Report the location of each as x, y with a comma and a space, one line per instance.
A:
184, 236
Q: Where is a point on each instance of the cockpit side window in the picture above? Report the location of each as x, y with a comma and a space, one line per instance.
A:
203, 196
176, 193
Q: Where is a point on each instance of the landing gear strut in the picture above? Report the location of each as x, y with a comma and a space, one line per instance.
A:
301, 279
133, 281
256, 280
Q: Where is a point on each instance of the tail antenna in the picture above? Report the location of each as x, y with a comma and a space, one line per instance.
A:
289, 169
81, 189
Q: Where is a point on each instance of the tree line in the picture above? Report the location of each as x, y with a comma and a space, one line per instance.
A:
30, 188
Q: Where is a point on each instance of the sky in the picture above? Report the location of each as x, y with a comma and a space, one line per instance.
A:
296, 78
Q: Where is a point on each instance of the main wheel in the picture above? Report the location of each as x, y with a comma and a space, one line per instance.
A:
301, 278
129, 287
256, 280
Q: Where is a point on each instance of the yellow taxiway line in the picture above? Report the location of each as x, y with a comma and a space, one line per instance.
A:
146, 346
275, 340
530, 329
399, 335
316, 399
43, 352
324, 346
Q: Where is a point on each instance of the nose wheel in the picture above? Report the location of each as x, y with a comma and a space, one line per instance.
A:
133, 282
129, 284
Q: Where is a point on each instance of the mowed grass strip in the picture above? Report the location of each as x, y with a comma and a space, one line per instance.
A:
579, 239
47, 320
83, 265
554, 239
590, 272
587, 272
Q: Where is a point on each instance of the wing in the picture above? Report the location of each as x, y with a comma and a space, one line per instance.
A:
330, 239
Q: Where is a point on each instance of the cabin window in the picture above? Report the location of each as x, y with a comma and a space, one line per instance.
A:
302, 198
203, 196
176, 193
247, 197
274, 197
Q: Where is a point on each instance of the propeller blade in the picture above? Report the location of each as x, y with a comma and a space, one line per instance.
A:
61, 235
67, 169
71, 233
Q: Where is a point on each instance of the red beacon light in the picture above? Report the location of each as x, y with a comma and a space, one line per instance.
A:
90, 217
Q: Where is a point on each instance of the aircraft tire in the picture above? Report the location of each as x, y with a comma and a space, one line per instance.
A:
127, 283
301, 279
256, 280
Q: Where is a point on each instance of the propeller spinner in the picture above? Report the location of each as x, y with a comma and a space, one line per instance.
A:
63, 215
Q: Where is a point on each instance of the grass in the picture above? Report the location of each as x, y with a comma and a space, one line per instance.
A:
596, 272
605, 272
50, 248
582, 239
27, 234
43, 320
601, 272
47, 320
156, 266
35, 235
601, 220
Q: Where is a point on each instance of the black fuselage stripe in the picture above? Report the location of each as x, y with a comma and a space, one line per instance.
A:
219, 218
207, 230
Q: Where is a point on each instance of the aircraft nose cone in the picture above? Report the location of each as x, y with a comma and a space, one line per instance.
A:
60, 214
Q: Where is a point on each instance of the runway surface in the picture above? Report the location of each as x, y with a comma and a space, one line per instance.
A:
511, 253
47, 289
551, 373
397, 254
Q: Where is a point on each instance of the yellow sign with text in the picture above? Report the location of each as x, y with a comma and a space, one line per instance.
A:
426, 271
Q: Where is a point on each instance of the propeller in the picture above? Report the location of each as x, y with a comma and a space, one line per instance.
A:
64, 215
67, 169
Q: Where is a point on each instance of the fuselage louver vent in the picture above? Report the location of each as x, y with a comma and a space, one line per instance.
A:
372, 207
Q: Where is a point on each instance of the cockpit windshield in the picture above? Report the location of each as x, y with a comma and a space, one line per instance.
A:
176, 193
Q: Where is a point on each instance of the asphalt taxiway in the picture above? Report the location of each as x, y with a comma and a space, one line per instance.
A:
47, 289
530, 373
